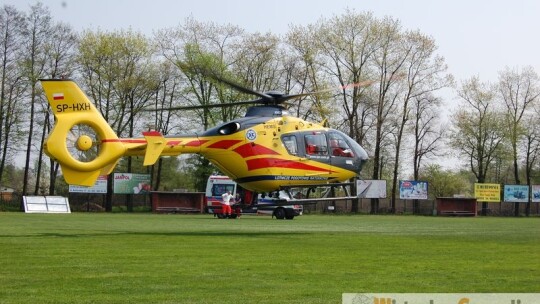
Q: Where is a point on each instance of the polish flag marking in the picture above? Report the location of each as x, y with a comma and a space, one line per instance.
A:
58, 96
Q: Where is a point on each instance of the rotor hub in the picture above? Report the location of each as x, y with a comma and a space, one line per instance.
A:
84, 143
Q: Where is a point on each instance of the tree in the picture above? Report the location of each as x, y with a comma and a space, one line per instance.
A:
167, 95
36, 35
174, 175
532, 152
424, 73
443, 183
119, 74
198, 50
60, 52
388, 62
12, 86
519, 91
427, 131
256, 63
362, 50
478, 133
347, 43
301, 64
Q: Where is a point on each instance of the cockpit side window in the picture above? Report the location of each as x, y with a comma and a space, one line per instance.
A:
290, 143
339, 146
316, 144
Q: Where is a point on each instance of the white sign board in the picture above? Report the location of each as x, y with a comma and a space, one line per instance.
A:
371, 188
46, 204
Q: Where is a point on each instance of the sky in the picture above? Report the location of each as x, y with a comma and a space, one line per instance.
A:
476, 37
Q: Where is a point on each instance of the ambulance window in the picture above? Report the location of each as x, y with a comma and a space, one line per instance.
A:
289, 141
219, 189
316, 144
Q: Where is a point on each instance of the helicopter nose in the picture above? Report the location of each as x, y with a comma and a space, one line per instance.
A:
362, 157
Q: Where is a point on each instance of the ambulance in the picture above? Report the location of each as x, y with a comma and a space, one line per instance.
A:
247, 202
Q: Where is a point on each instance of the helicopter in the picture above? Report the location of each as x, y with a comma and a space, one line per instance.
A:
264, 151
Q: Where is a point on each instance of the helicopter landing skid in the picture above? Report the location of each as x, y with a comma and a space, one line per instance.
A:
328, 196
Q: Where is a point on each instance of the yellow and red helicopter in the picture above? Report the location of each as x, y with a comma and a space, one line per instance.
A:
264, 151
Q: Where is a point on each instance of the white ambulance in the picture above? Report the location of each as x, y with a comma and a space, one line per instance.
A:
245, 201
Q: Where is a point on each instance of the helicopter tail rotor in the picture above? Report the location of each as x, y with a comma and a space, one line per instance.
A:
82, 141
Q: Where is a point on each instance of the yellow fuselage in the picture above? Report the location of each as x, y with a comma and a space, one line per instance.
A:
254, 157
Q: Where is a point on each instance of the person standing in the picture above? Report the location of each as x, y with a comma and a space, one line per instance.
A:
238, 205
226, 203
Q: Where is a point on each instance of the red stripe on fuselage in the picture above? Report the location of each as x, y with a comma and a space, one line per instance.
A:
224, 144
129, 141
151, 133
173, 142
248, 150
196, 143
143, 141
260, 163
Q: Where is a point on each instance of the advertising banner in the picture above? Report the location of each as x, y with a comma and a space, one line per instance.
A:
535, 193
516, 193
488, 193
131, 183
371, 188
99, 187
411, 190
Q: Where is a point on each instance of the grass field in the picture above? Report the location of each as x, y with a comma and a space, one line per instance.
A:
147, 258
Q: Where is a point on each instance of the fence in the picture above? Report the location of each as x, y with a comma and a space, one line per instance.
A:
424, 207
82, 202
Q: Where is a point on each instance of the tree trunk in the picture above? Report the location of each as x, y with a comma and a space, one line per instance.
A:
29, 143
108, 196
53, 173
354, 192
40, 155
158, 174
376, 167
129, 197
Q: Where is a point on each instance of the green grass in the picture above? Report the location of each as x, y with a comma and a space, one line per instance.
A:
144, 258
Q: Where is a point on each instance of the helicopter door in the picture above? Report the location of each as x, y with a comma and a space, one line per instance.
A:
316, 149
341, 154
309, 147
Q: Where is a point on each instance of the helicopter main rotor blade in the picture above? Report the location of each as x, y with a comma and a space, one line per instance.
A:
214, 76
361, 84
344, 87
208, 106
270, 98
241, 88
